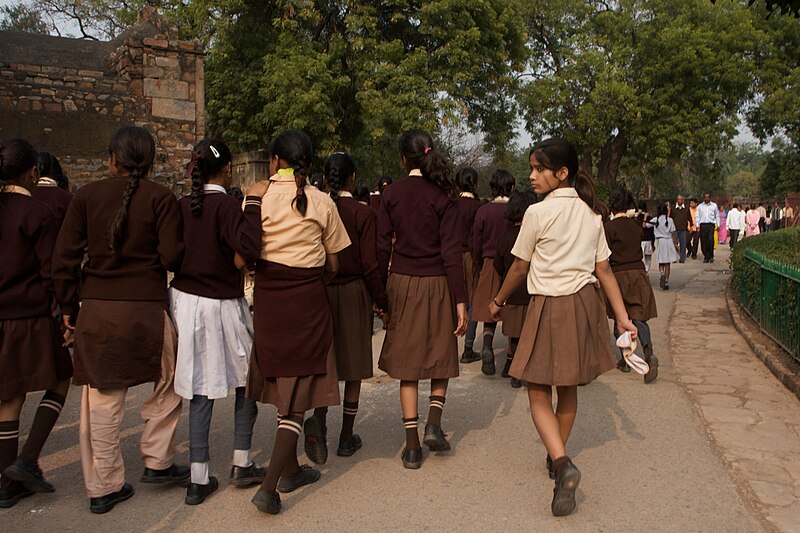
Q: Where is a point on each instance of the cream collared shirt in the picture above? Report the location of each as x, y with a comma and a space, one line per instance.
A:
294, 240
562, 238
16, 189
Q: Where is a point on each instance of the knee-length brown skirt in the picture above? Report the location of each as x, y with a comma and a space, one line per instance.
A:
469, 276
419, 341
564, 341
32, 357
637, 293
488, 287
513, 317
351, 306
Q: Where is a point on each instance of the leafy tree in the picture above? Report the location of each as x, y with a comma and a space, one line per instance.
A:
782, 171
22, 17
743, 184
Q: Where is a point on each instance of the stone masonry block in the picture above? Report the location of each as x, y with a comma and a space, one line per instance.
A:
166, 89
155, 43
169, 62
69, 105
171, 108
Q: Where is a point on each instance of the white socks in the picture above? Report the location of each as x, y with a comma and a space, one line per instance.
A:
200, 473
241, 458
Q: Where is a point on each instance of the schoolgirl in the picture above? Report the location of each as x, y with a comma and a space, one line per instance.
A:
427, 293
32, 352
468, 205
375, 198
490, 224
211, 315
513, 314
293, 367
624, 235
565, 339
353, 294
52, 188
666, 243
123, 334
361, 193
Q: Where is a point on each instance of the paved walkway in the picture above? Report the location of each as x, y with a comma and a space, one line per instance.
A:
708, 447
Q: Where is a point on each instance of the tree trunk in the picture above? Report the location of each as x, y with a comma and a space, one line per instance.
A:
586, 163
610, 158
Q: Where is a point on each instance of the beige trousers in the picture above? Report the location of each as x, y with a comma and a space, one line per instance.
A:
101, 417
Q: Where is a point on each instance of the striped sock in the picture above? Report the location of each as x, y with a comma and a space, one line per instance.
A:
9, 441
412, 435
284, 453
435, 411
46, 416
349, 411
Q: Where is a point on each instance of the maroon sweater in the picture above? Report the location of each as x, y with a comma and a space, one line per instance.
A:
490, 225
424, 221
211, 241
55, 198
624, 237
360, 259
28, 231
467, 209
152, 245
503, 261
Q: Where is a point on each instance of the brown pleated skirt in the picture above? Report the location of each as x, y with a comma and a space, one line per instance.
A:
488, 287
565, 340
513, 317
351, 306
118, 343
469, 276
419, 341
637, 293
294, 394
32, 357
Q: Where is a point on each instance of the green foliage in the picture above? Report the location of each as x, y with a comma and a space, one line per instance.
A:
21, 17
782, 170
742, 183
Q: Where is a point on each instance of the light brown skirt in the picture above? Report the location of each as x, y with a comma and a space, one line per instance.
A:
419, 341
32, 357
637, 293
469, 276
352, 329
295, 394
513, 317
488, 287
565, 340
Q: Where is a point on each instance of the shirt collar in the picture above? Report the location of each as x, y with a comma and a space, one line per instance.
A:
283, 175
16, 189
214, 187
680, 206
564, 192
46, 182
467, 195
500, 199
345, 194
415, 172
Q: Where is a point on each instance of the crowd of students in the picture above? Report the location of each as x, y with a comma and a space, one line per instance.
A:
427, 257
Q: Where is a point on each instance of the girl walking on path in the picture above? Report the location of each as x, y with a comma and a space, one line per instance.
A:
355, 292
565, 340
293, 366
33, 356
666, 243
513, 314
468, 205
427, 293
490, 225
211, 315
123, 334
623, 235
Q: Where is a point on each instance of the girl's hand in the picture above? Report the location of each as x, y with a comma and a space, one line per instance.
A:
627, 325
259, 188
69, 331
494, 310
463, 319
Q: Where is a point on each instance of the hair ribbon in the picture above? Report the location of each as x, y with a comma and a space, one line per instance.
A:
427, 150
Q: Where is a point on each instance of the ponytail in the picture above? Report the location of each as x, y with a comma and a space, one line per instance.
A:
294, 147
418, 148
584, 186
209, 158
300, 201
120, 224
338, 168
196, 202
555, 154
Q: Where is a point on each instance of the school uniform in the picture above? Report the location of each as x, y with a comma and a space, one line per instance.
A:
293, 365
565, 338
32, 357
49, 193
357, 284
425, 281
490, 225
513, 313
663, 228
468, 207
624, 236
123, 336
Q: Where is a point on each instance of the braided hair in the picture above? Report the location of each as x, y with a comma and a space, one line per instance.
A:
134, 151
209, 157
338, 168
16, 157
420, 152
294, 147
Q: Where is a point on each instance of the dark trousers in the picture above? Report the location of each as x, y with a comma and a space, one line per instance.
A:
200, 409
707, 240
734, 237
682, 235
694, 239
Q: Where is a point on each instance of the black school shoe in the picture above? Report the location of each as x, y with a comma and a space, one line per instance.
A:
434, 439
507, 367
412, 459
487, 367
244, 476
469, 356
29, 475
174, 474
348, 447
267, 502
516, 383
12, 493
197, 494
105, 503
652, 374
622, 366
315, 440
307, 476
567, 479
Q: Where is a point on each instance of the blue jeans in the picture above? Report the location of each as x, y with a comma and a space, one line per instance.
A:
682, 234
472, 330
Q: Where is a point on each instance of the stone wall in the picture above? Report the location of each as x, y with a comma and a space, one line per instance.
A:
68, 96
249, 167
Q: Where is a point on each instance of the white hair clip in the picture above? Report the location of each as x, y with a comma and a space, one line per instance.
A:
213, 150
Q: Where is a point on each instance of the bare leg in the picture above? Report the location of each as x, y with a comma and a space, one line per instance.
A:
545, 420
566, 410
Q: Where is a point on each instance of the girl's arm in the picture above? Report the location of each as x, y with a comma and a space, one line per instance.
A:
515, 275
331, 267
609, 284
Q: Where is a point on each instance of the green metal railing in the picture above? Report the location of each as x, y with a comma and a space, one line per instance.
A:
770, 293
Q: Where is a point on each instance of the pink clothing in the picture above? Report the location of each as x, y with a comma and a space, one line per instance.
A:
723, 228
751, 223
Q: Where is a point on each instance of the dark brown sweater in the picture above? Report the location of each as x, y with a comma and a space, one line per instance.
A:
211, 241
55, 198
360, 259
503, 259
467, 209
153, 244
490, 225
28, 230
624, 237
424, 221
681, 218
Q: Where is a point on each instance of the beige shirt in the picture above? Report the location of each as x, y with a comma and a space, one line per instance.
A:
294, 240
562, 238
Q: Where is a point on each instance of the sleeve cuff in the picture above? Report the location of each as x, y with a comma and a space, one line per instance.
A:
252, 200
